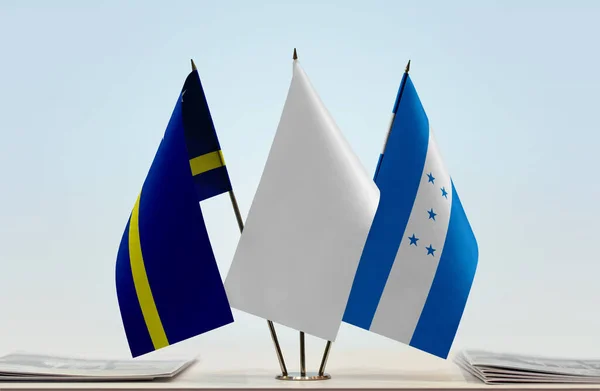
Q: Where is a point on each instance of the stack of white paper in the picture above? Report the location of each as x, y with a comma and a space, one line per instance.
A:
36, 367
498, 368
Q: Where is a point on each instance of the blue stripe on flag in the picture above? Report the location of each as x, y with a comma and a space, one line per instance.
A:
212, 183
398, 180
400, 93
448, 295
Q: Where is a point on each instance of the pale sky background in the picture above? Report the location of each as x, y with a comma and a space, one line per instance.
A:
511, 89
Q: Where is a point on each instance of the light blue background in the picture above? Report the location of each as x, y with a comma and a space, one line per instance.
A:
511, 89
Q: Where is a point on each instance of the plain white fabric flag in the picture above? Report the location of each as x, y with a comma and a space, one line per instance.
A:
308, 223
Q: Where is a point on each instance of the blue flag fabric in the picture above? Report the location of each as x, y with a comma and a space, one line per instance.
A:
168, 284
420, 258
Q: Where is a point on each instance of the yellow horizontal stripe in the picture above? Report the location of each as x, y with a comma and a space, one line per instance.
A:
208, 161
142, 285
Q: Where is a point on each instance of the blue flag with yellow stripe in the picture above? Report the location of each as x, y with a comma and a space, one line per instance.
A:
168, 284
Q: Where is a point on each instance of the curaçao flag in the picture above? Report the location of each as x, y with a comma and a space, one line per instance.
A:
419, 261
168, 285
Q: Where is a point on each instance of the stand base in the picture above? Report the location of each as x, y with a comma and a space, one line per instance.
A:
298, 377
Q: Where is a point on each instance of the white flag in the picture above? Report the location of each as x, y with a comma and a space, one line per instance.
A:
308, 223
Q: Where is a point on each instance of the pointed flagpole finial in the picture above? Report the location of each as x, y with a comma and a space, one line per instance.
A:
295, 57
407, 67
193, 66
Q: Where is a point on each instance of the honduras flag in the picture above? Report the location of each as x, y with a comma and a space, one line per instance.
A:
419, 261
168, 285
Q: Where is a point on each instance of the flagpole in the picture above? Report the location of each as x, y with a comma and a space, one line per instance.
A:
324, 359
396, 104
240, 221
302, 356
321, 374
302, 345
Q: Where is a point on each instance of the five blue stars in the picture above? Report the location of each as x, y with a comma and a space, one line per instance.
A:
413, 240
432, 214
431, 178
430, 250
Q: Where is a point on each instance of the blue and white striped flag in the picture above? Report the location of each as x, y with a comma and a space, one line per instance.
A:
419, 261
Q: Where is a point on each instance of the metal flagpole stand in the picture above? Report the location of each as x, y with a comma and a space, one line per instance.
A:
240, 222
303, 375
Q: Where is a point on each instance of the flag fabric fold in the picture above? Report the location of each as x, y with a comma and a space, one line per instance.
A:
168, 285
308, 222
420, 258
